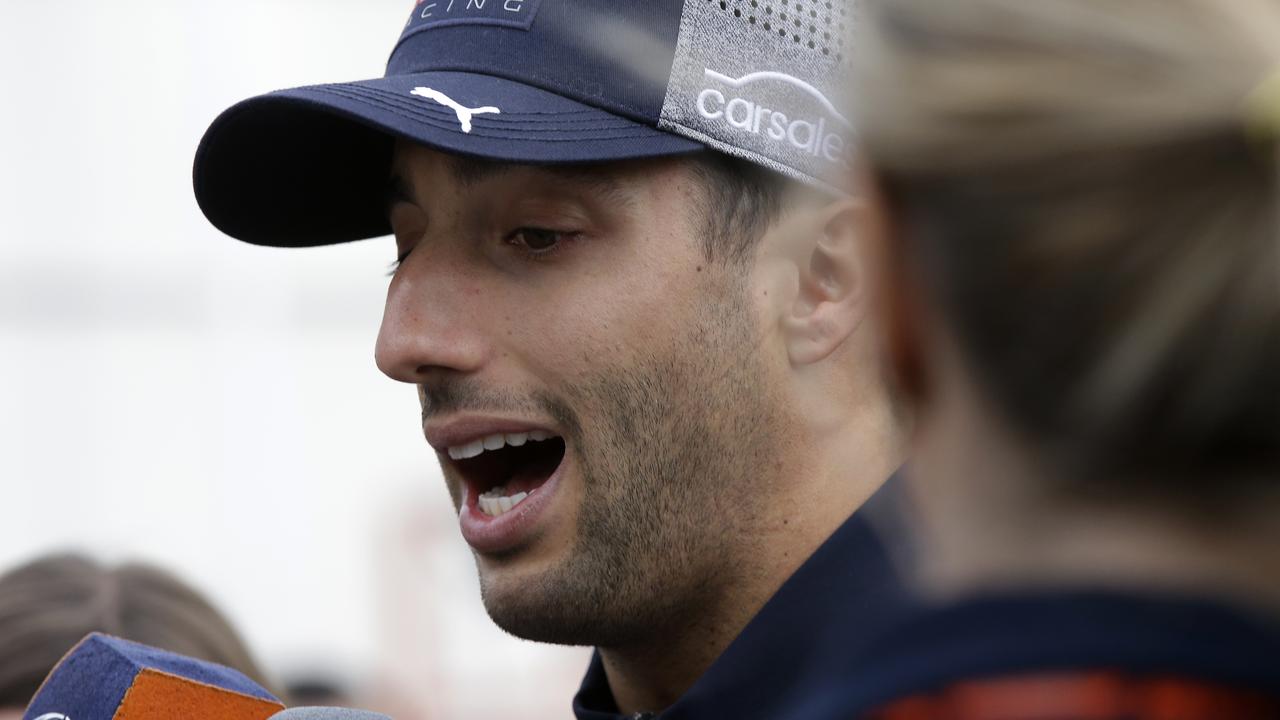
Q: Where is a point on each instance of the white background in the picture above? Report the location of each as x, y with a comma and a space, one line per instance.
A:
169, 394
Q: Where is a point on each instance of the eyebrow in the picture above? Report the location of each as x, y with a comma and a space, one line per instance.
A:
469, 172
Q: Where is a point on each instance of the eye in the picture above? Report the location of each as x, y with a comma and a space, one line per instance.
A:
538, 241
408, 223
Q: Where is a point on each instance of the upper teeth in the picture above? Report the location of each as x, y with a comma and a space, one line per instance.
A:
496, 441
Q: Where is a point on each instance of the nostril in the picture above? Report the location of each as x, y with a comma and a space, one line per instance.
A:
397, 359
413, 344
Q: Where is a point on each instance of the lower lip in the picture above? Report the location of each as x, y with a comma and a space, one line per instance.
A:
492, 535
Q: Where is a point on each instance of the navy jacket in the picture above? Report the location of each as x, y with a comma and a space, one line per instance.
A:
1123, 637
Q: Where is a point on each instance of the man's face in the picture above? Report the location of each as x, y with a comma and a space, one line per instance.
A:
589, 381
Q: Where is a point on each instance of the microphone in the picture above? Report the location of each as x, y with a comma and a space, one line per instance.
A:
107, 678
327, 713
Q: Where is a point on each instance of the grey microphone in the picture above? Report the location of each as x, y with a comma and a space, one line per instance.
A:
326, 713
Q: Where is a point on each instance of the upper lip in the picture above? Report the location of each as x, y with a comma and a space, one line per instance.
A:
462, 429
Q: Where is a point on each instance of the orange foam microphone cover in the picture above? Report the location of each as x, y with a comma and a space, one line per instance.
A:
106, 678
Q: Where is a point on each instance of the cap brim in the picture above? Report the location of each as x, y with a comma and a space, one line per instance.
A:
309, 166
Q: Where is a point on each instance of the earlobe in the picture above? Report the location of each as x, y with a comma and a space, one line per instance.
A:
829, 306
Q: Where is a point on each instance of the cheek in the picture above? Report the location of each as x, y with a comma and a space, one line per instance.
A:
598, 325
618, 297
588, 338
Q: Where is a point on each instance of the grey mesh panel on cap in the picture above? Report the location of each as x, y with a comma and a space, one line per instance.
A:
764, 80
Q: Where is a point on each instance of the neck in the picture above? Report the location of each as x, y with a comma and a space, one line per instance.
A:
991, 525
817, 486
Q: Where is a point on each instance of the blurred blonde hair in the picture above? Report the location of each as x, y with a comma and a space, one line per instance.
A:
49, 604
1084, 189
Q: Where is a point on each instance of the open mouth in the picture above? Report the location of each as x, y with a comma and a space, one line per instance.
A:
505, 469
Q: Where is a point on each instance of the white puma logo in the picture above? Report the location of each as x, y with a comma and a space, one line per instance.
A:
464, 113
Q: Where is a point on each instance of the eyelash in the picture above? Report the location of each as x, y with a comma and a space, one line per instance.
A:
395, 265
562, 236
529, 253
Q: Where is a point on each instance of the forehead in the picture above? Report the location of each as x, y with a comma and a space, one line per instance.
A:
413, 165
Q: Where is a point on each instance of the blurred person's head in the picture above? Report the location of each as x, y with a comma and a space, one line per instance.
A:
50, 604
1080, 208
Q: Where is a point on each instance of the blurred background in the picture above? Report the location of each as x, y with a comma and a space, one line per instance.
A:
173, 396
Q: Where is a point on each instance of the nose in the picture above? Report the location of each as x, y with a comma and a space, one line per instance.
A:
428, 326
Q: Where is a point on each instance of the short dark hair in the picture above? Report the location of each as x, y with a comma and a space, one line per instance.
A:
742, 200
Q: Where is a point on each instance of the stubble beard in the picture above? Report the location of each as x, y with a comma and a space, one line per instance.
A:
671, 469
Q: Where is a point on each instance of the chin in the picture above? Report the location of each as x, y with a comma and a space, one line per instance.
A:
527, 611
575, 602
552, 601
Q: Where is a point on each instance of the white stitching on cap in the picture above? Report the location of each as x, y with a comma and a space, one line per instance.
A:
464, 113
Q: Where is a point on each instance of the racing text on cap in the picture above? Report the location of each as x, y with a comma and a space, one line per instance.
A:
441, 13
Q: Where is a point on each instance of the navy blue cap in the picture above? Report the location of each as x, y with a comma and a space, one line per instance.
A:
525, 81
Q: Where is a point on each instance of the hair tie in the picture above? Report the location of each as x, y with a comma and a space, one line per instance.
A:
1262, 109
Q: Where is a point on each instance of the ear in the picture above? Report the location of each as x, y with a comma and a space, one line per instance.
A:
829, 304
895, 288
